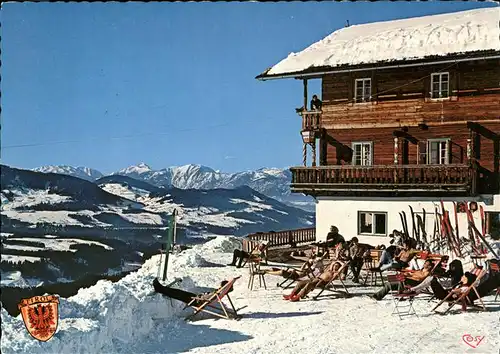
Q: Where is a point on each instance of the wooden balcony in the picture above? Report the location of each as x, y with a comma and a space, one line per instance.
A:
391, 180
281, 239
311, 120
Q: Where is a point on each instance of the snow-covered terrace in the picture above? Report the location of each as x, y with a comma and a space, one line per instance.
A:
452, 36
128, 317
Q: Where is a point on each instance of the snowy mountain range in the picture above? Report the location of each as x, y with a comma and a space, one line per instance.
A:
71, 226
117, 201
86, 173
272, 182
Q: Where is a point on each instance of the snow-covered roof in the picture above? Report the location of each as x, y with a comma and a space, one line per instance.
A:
407, 39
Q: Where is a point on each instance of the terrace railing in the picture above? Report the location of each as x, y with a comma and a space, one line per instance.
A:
280, 239
386, 177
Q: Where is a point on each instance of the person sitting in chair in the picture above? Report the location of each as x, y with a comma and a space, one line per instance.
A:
450, 278
181, 295
314, 266
356, 252
304, 287
465, 282
239, 255
386, 259
401, 261
411, 279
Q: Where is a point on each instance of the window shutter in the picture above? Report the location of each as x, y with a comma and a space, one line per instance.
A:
422, 152
448, 151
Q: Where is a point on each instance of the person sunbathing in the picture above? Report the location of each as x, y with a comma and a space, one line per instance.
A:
412, 279
465, 282
448, 279
314, 266
490, 282
304, 287
182, 295
400, 261
239, 255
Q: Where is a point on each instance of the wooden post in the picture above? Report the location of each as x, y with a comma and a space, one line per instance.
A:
469, 150
396, 150
305, 94
488, 222
304, 157
313, 147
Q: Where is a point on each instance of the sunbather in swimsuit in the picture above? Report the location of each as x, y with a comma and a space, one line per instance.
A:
313, 265
412, 279
304, 287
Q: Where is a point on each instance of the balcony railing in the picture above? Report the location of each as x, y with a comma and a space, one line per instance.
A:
311, 120
280, 239
385, 178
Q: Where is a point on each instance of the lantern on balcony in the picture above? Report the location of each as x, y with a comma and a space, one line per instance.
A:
308, 137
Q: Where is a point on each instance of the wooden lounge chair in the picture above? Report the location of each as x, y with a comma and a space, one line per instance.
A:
289, 281
212, 303
463, 297
337, 276
255, 253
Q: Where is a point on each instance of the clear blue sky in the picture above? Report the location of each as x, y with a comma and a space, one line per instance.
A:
164, 83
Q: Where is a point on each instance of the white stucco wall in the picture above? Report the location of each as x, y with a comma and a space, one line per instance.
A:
343, 213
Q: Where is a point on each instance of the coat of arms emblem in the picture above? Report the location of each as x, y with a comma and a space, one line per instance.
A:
40, 316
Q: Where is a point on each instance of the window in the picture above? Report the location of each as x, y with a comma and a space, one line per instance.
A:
363, 90
438, 151
362, 153
372, 223
440, 85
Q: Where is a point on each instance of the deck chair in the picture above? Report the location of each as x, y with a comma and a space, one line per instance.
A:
212, 303
440, 265
255, 253
463, 297
289, 281
337, 276
494, 268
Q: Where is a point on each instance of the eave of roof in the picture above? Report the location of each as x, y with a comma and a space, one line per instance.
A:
317, 72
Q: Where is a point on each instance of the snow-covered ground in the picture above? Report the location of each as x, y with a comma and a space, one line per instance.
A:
128, 317
61, 244
19, 259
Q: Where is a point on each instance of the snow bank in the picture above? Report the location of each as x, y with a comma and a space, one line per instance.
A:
413, 38
128, 317
118, 317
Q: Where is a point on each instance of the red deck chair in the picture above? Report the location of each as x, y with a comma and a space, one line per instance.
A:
462, 298
212, 303
494, 268
330, 286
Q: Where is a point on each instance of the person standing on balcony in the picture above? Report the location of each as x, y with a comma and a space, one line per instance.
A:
316, 103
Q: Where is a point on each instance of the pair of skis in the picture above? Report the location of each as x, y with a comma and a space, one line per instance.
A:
447, 231
475, 236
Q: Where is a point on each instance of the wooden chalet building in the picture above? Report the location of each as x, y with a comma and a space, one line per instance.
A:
410, 116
